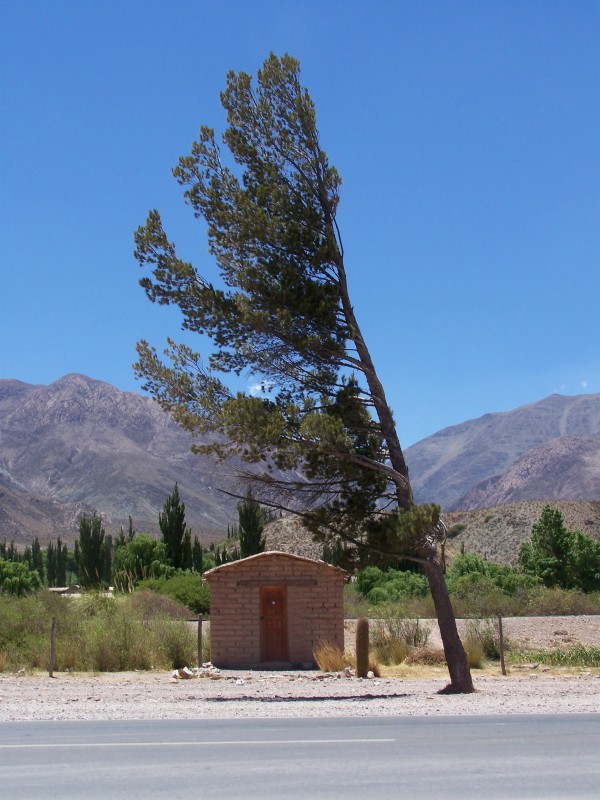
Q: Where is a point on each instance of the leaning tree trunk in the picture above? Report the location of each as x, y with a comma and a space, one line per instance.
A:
456, 658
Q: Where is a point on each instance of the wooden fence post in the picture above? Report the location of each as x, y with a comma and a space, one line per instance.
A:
52, 647
200, 640
501, 644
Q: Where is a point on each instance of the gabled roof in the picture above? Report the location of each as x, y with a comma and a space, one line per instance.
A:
232, 565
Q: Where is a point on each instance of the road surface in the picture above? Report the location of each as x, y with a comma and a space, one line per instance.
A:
443, 758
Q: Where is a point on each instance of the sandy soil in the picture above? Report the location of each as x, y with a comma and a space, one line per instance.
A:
158, 695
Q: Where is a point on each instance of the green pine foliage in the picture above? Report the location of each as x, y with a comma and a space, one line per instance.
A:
197, 556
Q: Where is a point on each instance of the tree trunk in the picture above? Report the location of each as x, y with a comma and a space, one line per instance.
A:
456, 658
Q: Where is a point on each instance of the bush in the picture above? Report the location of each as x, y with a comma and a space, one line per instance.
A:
482, 637
367, 579
378, 595
185, 587
392, 638
17, 579
394, 585
474, 651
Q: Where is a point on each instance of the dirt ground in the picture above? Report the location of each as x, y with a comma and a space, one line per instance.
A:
409, 691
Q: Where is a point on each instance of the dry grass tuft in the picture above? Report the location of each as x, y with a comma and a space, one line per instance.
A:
474, 651
329, 657
374, 665
425, 655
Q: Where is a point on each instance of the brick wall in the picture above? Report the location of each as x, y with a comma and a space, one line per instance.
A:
314, 606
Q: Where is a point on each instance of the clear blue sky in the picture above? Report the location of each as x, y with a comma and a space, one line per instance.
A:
467, 134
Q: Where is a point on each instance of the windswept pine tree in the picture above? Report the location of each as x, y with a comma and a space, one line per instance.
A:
280, 311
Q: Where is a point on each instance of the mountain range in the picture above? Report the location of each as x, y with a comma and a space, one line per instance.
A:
546, 450
80, 445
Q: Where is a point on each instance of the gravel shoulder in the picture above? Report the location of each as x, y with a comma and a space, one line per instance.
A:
231, 694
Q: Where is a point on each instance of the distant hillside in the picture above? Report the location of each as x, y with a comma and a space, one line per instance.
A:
562, 468
495, 533
445, 467
81, 444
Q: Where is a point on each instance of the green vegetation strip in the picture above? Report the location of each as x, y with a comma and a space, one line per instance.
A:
578, 656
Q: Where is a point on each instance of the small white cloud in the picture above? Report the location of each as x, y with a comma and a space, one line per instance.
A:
259, 389
584, 384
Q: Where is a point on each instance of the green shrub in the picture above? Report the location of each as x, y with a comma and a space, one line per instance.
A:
378, 595
380, 587
367, 579
17, 579
185, 587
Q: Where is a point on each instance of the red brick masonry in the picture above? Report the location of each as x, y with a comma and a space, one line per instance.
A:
314, 608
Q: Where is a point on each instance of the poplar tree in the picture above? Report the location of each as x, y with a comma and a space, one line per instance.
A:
252, 523
279, 311
174, 531
91, 552
51, 565
62, 559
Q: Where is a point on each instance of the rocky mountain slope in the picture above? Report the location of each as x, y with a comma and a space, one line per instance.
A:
497, 533
494, 533
562, 468
445, 467
81, 444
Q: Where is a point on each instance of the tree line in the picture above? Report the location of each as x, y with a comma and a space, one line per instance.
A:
98, 560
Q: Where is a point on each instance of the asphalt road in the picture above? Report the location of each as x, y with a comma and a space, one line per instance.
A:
372, 759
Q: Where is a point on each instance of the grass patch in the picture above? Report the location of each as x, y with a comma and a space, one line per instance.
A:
95, 633
578, 656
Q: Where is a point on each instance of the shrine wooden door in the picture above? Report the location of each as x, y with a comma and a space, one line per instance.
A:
273, 626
